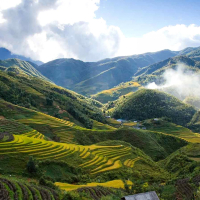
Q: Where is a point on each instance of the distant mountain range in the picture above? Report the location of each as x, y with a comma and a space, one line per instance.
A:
91, 77
88, 78
6, 54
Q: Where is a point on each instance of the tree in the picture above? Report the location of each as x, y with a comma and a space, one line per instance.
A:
31, 166
49, 101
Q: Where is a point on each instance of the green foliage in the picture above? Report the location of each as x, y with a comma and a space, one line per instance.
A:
146, 104
156, 145
31, 166
44, 96
113, 94
43, 181
15, 66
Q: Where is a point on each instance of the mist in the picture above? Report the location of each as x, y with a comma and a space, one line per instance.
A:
181, 82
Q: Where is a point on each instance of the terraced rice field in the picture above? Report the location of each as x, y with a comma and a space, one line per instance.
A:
106, 159
18, 190
131, 162
34, 134
109, 184
95, 159
13, 127
177, 131
61, 128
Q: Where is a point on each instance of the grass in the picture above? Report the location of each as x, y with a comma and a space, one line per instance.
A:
172, 129
110, 184
51, 127
94, 158
116, 92
131, 162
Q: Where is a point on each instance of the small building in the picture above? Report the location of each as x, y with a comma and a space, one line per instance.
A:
142, 196
121, 120
156, 119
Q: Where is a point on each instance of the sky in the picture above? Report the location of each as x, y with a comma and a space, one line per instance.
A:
91, 30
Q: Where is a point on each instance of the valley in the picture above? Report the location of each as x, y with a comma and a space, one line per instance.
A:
120, 138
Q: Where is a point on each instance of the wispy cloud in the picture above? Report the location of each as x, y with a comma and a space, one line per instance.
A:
180, 82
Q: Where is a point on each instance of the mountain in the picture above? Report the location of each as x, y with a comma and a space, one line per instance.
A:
42, 95
154, 72
114, 93
160, 67
192, 52
91, 77
6, 54
146, 104
21, 67
57, 144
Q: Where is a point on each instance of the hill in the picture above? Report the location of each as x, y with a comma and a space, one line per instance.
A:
90, 78
152, 143
116, 92
153, 72
21, 67
6, 54
41, 95
145, 104
167, 127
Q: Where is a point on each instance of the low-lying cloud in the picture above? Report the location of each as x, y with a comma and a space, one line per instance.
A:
181, 82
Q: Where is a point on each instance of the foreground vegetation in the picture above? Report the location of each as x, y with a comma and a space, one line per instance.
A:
56, 144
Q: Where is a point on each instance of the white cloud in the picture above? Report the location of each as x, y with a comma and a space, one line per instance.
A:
70, 12
5, 4
171, 37
50, 29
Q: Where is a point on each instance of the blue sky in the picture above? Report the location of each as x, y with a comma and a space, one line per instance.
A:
92, 30
137, 17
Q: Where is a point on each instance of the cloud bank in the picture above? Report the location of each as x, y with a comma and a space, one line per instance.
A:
49, 29
180, 82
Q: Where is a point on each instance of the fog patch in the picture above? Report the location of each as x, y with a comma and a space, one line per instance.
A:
181, 82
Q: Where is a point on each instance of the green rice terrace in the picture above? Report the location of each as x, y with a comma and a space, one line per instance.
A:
65, 168
50, 152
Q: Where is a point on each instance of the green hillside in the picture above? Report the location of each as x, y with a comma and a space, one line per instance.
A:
145, 104
35, 93
21, 67
116, 92
89, 78
56, 144
152, 144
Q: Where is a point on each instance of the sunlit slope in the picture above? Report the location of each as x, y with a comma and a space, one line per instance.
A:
152, 143
15, 127
172, 129
110, 184
43, 96
147, 104
21, 67
52, 127
94, 159
114, 93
